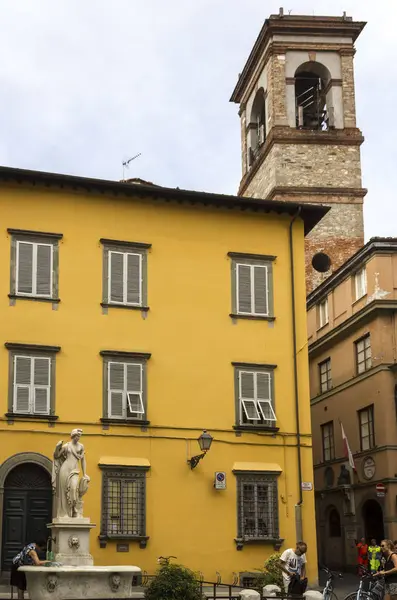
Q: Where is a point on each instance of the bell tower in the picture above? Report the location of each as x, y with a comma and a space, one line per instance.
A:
299, 138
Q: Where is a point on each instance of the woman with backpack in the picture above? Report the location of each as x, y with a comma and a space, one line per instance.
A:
26, 557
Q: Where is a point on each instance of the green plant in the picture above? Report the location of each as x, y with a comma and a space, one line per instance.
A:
173, 582
270, 574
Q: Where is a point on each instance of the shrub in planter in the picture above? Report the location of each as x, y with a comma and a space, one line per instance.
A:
173, 582
270, 574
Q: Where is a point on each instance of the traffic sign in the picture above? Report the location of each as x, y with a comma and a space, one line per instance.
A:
380, 488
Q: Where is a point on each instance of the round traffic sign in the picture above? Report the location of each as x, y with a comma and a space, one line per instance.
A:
380, 488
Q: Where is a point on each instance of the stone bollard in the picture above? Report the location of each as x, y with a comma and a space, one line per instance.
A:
313, 595
249, 595
271, 590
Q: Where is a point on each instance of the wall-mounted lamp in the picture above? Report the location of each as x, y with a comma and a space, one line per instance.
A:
205, 441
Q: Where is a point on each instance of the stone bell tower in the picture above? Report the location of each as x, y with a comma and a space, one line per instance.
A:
299, 137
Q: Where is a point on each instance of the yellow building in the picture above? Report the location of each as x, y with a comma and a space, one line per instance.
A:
145, 315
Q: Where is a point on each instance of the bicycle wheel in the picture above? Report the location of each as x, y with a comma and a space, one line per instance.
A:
352, 596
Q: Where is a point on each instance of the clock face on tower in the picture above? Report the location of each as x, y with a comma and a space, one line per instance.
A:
369, 467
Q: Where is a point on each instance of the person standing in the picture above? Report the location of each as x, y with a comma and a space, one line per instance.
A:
293, 565
26, 557
374, 553
389, 571
362, 556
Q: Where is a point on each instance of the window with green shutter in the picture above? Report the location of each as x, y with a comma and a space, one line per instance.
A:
125, 396
34, 264
252, 286
255, 395
125, 274
32, 379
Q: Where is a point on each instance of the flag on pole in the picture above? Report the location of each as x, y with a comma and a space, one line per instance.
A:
346, 447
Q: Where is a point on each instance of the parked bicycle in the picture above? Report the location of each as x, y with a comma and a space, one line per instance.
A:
328, 591
375, 590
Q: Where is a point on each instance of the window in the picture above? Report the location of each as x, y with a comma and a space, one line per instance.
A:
32, 379
363, 354
254, 395
252, 287
334, 523
323, 313
125, 386
124, 503
257, 506
34, 264
325, 375
360, 283
366, 424
327, 435
125, 274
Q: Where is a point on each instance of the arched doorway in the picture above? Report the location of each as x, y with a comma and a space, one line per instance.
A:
27, 508
373, 520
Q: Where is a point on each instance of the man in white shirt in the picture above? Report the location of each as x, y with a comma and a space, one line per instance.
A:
293, 564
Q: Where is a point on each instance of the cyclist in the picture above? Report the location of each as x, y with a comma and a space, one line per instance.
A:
374, 556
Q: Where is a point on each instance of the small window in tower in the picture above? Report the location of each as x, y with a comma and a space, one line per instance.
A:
313, 97
257, 126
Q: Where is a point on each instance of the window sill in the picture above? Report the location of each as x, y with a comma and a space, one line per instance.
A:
20, 416
358, 299
322, 327
141, 539
132, 422
252, 317
255, 428
36, 298
125, 306
275, 542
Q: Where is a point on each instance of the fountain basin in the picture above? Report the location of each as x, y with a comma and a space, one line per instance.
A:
77, 583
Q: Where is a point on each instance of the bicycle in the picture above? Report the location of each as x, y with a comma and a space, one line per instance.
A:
375, 588
328, 591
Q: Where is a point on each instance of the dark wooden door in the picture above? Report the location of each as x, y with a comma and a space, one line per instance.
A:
27, 509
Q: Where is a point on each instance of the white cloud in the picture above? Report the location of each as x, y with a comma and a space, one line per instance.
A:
84, 85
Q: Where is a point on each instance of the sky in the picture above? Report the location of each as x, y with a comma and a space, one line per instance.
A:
86, 84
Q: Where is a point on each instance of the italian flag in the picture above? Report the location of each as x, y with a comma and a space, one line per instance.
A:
346, 447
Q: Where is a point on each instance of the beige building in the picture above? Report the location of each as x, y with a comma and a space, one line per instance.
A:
352, 333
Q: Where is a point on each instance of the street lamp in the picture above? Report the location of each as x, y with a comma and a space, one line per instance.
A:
205, 441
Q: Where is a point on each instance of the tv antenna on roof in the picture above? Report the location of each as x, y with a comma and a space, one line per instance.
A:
126, 163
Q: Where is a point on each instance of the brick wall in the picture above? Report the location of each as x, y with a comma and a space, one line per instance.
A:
349, 100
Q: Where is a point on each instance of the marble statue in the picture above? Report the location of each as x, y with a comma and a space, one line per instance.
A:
68, 487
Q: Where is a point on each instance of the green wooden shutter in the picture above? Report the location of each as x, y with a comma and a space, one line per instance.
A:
260, 290
247, 395
116, 389
134, 282
116, 277
44, 269
22, 384
41, 381
244, 296
24, 275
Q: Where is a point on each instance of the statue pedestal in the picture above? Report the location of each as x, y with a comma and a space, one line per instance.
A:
72, 540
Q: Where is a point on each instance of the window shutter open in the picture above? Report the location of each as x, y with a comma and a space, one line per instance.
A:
264, 396
243, 277
22, 381
24, 279
260, 290
134, 278
41, 381
44, 270
116, 276
247, 395
115, 389
134, 389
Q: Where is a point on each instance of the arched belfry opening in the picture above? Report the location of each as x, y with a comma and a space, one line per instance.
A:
313, 97
257, 125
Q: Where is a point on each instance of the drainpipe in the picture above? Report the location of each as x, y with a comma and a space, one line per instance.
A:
298, 506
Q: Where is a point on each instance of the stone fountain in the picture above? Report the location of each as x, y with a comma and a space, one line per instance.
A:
73, 576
